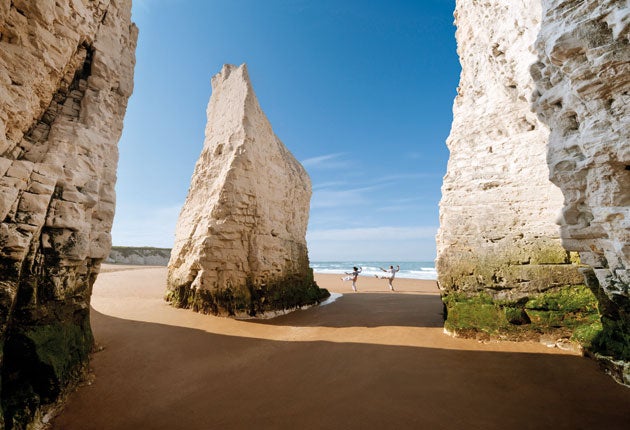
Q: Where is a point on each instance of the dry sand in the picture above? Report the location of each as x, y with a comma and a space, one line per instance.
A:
369, 360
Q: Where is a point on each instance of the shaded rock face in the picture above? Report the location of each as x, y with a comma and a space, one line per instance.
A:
240, 246
583, 93
66, 73
499, 254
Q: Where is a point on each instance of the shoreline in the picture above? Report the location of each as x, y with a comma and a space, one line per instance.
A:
372, 359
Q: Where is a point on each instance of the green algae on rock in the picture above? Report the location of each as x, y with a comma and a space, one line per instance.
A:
289, 293
569, 312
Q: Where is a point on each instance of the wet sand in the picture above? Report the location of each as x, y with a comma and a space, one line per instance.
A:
369, 360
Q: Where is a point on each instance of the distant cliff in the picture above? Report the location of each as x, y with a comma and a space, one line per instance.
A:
143, 256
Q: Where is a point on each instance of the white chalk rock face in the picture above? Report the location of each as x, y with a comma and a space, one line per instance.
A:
498, 209
583, 94
501, 265
240, 246
66, 73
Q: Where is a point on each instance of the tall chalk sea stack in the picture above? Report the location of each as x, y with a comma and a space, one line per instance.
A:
66, 73
501, 265
583, 94
240, 246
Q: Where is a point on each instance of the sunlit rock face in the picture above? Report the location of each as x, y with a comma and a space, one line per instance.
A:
583, 94
500, 260
66, 72
240, 246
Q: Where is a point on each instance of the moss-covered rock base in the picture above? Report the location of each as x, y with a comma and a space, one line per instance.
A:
611, 345
568, 312
46, 335
40, 362
250, 300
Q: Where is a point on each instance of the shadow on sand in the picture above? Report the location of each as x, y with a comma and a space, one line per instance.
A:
154, 376
368, 310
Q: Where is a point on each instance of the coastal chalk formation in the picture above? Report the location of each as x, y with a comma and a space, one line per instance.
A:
583, 94
66, 73
501, 266
140, 256
240, 247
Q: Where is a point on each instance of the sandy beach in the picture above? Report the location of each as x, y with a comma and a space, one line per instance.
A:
369, 360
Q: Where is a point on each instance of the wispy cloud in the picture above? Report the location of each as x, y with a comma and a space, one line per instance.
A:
405, 177
328, 161
145, 226
373, 233
372, 243
325, 185
327, 198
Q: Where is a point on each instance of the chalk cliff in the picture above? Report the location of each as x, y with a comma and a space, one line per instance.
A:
142, 256
501, 265
583, 94
240, 246
66, 73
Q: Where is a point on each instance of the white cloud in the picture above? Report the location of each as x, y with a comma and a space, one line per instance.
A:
373, 233
145, 226
372, 244
328, 161
327, 198
324, 185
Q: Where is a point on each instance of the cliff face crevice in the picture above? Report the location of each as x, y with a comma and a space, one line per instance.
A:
66, 72
583, 93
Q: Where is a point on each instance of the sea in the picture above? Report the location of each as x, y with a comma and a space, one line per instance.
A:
408, 269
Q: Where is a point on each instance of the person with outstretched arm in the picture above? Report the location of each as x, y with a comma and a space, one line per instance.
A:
352, 276
390, 274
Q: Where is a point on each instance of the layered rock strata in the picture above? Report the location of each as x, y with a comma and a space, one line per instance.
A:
501, 266
583, 94
240, 246
66, 71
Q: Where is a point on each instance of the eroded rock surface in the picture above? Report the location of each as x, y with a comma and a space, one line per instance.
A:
583, 94
66, 73
501, 265
240, 246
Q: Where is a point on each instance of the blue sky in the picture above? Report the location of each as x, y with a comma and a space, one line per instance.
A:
359, 91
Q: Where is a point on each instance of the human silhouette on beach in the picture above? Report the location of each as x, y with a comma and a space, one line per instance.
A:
352, 276
390, 275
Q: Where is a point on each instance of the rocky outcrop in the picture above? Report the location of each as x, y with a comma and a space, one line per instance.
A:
65, 77
583, 94
501, 266
142, 256
240, 245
